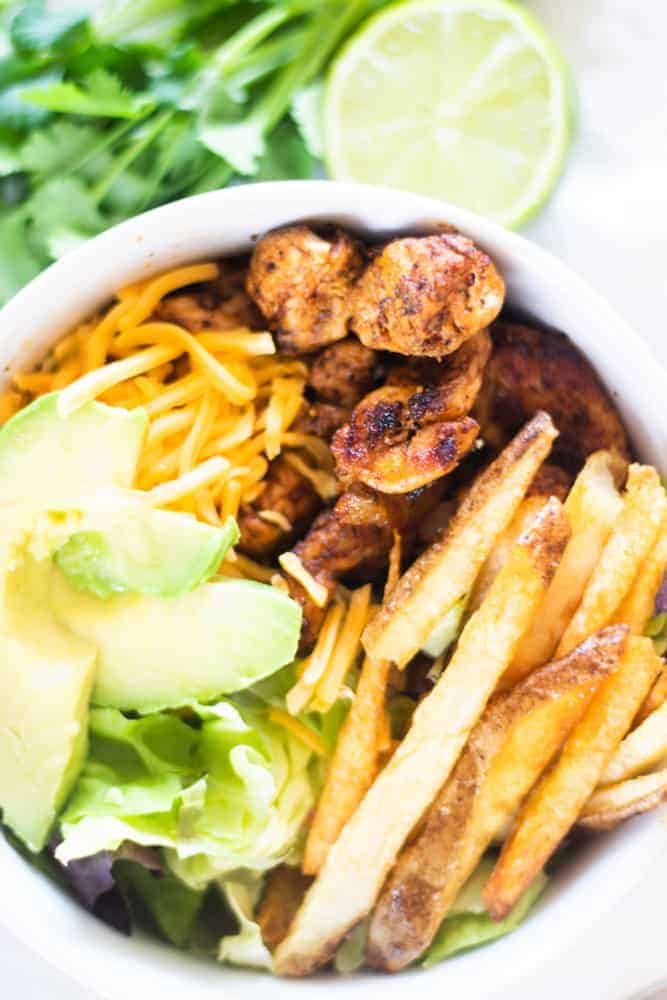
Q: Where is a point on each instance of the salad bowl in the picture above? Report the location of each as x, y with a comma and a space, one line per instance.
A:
599, 873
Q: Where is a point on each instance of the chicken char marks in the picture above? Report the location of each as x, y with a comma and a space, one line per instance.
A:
415, 428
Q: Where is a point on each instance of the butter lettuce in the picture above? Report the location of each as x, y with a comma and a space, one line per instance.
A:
221, 788
468, 924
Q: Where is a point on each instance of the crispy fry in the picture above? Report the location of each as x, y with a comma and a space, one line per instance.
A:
353, 766
516, 738
497, 557
656, 697
644, 507
592, 507
637, 608
555, 804
610, 806
644, 747
447, 570
358, 862
284, 890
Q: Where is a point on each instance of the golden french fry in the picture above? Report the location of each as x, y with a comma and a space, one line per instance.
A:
592, 507
353, 766
284, 890
637, 608
497, 557
516, 738
556, 803
447, 570
656, 697
641, 749
361, 857
610, 806
635, 531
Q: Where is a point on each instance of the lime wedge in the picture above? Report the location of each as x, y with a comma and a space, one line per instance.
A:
465, 100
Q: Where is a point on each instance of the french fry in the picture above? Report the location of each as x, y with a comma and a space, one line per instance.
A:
656, 697
635, 531
447, 570
284, 890
353, 766
610, 806
638, 607
359, 860
554, 806
497, 557
516, 738
641, 749
592, 507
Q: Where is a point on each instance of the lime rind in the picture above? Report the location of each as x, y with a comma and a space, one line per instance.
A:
527, 27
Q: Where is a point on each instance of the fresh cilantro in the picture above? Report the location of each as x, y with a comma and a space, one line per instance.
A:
16, 111
57, 147
306, 111
101, 95
36, 28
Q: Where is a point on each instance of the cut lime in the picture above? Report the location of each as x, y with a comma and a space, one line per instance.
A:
465, 100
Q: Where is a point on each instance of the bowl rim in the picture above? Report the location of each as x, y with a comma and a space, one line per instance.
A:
40, 304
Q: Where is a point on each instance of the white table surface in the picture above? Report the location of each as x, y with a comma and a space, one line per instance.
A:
608, 220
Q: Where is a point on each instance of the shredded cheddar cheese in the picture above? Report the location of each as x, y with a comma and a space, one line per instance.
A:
345, 652
300, 695
293, 566
298, 729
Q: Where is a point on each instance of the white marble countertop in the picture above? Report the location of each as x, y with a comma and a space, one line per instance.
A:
608, 220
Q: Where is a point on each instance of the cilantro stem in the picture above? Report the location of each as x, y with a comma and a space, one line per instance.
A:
124, 159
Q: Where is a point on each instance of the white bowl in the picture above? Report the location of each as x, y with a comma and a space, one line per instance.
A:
225, 222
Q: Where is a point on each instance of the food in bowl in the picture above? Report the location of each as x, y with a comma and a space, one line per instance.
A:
325, 592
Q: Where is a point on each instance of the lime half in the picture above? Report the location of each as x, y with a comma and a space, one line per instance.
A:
466, 100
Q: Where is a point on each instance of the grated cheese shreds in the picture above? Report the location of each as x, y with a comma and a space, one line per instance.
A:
218, 394
293, 566
298, 729
277, 518
324, 483
345, 652
302, 692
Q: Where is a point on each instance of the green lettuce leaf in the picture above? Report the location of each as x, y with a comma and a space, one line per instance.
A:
172, 906
468, 925
221, 789
246, 947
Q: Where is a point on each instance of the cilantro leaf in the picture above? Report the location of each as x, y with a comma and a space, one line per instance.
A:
287, 156
20, 263
307, 113
36, 28
16, 111
64, 212
101, 95
56, 147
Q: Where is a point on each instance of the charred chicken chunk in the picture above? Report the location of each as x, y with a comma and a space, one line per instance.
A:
531, 370
222, 304
302, 282
344, 372
426, 296
289, 495
414, 429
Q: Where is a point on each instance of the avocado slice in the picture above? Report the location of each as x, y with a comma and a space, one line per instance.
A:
46, 458
146, 551
46, 672
161, 652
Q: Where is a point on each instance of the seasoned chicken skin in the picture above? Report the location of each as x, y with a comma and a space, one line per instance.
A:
532, 370
302, 282
415, 428
426, 295
222, 304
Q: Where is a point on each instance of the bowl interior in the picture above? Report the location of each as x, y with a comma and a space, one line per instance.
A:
219, 224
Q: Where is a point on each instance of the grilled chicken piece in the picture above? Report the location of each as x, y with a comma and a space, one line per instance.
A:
532, 370
343, 373
426, 296
222, 304
338, 377
414, 429
286, 493
283, 894
354, 538
302, 282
